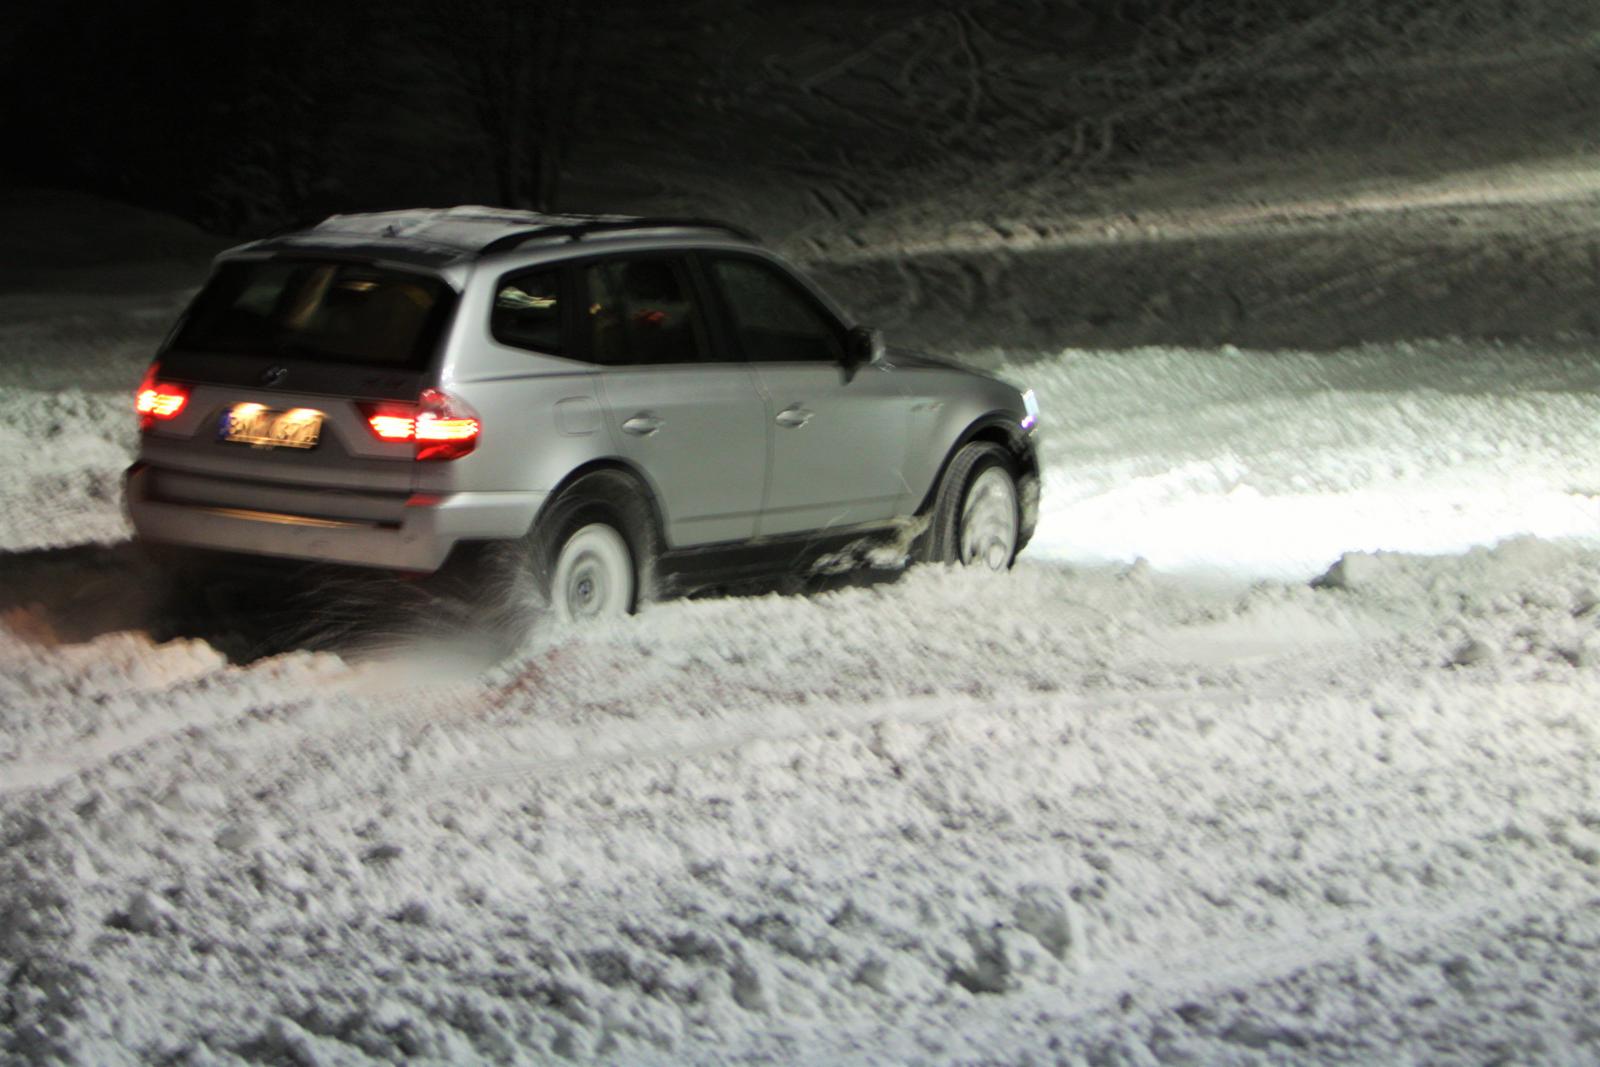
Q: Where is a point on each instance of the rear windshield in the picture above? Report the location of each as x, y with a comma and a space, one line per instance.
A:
316, 309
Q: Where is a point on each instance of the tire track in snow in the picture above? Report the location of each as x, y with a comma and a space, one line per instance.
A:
759, 726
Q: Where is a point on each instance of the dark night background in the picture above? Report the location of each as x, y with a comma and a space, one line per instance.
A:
837, 128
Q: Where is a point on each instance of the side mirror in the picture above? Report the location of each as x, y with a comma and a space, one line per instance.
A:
865, 346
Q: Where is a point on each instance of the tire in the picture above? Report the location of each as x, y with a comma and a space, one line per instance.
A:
593, 575
976, 518
593, 550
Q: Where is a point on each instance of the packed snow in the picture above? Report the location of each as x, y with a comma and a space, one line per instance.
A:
1272, 464
1278, 745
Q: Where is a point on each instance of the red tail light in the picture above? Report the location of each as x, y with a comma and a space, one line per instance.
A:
391, 426
443, 426
157, 399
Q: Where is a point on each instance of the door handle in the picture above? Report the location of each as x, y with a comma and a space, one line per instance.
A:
641, 425
793, 417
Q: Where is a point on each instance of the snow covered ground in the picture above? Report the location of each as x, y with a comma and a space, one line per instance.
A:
1273, 464
1176, 790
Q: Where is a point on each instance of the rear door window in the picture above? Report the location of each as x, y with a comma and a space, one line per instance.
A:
321, 310
643, 311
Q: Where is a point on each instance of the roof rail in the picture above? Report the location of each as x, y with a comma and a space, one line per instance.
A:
577, 231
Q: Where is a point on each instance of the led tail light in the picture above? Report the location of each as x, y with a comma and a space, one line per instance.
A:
391, 426
441, 425
158, 400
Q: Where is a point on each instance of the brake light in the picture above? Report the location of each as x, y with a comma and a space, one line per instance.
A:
447, 428
158, 400
443, 426
393, 427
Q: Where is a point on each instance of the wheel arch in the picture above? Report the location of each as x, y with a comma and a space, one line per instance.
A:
999, 428
616, 465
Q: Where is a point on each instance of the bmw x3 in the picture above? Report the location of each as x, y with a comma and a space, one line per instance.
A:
644, 406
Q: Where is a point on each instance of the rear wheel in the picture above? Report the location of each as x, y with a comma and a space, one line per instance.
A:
593, 550
976, 520
593, 577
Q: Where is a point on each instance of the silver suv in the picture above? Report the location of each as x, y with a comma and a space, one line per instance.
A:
644, 405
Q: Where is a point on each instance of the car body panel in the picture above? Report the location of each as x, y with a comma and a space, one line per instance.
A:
288, 374
421, 540
844, 464
522, 443
946, 401
707, 455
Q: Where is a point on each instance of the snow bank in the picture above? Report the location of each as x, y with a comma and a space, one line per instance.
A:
62, 482
1272, 464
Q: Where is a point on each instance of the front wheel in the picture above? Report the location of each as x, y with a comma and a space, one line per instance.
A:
976, 519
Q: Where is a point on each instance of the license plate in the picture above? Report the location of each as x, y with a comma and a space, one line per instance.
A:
262, 427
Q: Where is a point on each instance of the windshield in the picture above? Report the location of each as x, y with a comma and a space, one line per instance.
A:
317, 309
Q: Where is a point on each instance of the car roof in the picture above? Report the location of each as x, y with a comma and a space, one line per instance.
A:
448, 235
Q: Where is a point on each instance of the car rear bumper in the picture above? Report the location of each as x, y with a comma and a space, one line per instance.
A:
412, 533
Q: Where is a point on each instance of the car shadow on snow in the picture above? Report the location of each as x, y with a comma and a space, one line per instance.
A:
246, 611
252, 610
73, 595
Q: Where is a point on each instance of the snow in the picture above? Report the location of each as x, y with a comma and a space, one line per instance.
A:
1278, 745
1271, 464
465, 227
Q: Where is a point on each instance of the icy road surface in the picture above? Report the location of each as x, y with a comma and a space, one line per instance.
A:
1188, 810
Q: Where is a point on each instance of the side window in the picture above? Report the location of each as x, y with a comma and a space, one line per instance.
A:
642, 312
774, 319
527, 312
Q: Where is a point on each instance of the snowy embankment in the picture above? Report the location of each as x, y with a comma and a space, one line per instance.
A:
1274, 464
1095, 810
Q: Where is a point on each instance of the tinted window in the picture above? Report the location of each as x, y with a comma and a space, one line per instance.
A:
642, 311
527, 312
774, 319
341, 312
